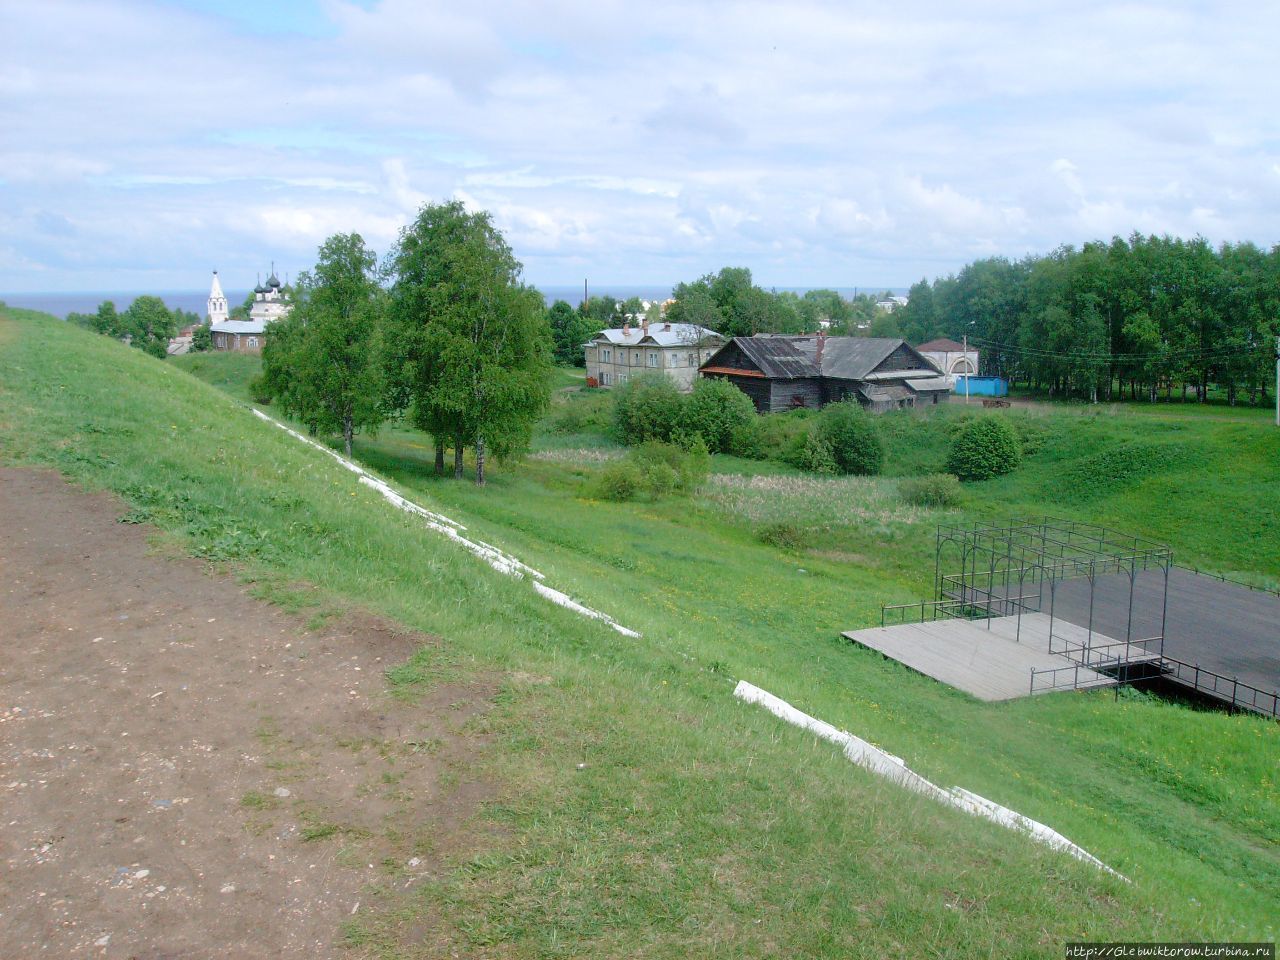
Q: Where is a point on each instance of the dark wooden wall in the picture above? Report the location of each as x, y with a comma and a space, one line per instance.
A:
788, 394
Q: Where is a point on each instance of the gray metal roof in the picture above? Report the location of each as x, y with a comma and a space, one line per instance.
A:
239, 326
929, 383
786, 358
661, 334
852, 358
845, 358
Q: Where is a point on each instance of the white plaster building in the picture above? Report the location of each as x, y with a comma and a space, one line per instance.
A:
216, 308
676, 349
890, 304
248, 336
951, 358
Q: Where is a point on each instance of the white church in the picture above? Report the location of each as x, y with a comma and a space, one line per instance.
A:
246, 336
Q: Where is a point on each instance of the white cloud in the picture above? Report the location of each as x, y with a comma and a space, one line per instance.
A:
818, 142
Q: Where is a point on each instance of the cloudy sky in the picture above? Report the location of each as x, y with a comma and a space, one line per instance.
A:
844, 143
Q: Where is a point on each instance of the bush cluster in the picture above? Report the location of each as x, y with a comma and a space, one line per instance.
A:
716, 413
851, 434
934, 490
656, 470
784, 535
984, 447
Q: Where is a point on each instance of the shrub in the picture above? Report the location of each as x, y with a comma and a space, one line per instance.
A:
781, 435
619, 481
815, 455
783, 535
655, 469
748, 440
260, 389
934, 490
647, 407
852, 436
984, 447
690, 467
714, 411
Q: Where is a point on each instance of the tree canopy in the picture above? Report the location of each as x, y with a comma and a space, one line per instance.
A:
474, 341
1146, 313
323, 362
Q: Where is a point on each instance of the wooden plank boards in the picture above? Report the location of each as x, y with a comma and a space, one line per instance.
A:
964, 654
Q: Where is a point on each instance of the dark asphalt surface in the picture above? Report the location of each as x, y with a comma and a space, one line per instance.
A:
1223, 627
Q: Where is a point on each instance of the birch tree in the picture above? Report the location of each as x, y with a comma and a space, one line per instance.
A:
475, 340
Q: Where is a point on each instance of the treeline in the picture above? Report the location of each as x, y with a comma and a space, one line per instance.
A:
146, 324
728, 302
1130, 318
443, 333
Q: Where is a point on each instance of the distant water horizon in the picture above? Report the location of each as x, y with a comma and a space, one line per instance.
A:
195, 301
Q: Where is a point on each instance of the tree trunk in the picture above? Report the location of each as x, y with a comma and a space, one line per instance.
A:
457, 460
347, 431
439, 458
480, 461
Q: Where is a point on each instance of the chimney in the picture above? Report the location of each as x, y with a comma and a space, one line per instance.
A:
822, 342
644, 327
666, 328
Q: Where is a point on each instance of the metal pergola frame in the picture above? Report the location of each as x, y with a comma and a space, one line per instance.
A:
1031, 552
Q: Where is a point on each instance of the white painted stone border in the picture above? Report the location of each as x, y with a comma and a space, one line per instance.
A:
499, 560
894, 768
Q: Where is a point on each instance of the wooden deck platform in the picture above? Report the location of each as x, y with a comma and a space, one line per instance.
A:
987, 661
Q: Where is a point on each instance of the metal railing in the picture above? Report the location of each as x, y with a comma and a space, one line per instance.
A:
1092, 654
1070, 678
1241, 696
1218, 576
927, 611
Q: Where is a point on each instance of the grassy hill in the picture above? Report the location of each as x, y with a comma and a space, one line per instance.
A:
701, 826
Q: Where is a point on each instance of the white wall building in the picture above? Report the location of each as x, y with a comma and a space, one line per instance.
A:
676, 349
216, 307
248, 336
951, 358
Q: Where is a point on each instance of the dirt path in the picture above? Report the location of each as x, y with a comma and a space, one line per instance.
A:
188, 772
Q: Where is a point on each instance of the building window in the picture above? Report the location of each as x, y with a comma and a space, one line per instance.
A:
253, 342
604, 356
653, 359
606, 378
691, 363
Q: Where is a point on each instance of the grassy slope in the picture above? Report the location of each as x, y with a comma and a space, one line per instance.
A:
696, 825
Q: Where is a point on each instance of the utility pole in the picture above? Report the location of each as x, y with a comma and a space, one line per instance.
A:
966, 367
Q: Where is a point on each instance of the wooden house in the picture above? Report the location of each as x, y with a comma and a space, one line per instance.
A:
781, 372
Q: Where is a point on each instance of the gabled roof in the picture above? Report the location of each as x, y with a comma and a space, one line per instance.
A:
786, 358
679, 335
942, 345
844, 358
852, 358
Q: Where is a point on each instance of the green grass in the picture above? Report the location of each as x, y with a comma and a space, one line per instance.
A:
700, 826
230, 372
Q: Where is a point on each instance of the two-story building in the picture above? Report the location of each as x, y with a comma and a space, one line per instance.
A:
675, 349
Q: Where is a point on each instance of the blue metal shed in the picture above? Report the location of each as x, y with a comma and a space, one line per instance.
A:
982, 386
